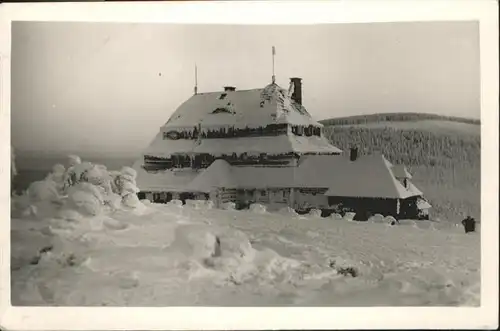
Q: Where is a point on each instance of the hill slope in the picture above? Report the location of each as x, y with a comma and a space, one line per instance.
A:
443, 153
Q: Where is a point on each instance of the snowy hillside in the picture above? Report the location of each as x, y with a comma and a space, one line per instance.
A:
90, 243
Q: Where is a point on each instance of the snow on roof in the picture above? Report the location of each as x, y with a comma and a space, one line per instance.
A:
167, 180
368, 176
414, 191
244, 108
251, 145
422, 204
400, 171
218, 174
302, 144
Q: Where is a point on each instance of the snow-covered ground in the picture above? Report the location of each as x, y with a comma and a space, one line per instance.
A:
131, 253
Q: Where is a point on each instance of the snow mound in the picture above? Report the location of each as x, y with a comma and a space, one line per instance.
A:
257, 208
194, 241
336, 216
391, 220
314, 213
288, 211
69, 215
209, 204
175, 203
229, 206
377, 218
196, 204
349, 216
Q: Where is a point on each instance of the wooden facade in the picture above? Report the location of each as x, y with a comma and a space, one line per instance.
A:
365, 207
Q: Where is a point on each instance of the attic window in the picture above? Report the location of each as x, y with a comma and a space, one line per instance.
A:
222, 96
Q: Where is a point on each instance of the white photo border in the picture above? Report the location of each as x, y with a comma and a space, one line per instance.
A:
266, 12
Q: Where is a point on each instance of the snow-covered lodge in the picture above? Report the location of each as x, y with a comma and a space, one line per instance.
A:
262, 146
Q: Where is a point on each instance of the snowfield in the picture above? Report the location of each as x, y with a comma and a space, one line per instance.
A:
95, 245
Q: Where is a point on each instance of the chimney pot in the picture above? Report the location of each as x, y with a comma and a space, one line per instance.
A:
297, 89
354, 154
229, 88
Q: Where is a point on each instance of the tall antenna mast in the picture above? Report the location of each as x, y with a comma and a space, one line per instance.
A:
274, 53
195, 79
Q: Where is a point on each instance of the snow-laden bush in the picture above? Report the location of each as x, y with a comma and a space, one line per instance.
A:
131, 200
129, 174
228, 205
86, 199
83, 187
314, 213
349, 216
74, 160
257, 208
44, 190
113, 201
377, 218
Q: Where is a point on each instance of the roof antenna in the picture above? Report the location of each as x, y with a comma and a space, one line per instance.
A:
195, 79
274, 53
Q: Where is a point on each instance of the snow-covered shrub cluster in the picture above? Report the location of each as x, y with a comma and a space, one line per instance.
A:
84, 188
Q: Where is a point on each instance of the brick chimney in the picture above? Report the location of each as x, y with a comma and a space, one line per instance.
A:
297, 89
353, 156
229, 88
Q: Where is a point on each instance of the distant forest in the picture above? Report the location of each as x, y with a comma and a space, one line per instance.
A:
445, 165
395, 117
410, 147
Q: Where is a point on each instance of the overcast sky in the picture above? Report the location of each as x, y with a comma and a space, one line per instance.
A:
106, 87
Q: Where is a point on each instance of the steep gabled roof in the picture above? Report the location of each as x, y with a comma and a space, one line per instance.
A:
244, 108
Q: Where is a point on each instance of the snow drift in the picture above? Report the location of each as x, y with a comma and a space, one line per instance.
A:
81, 237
